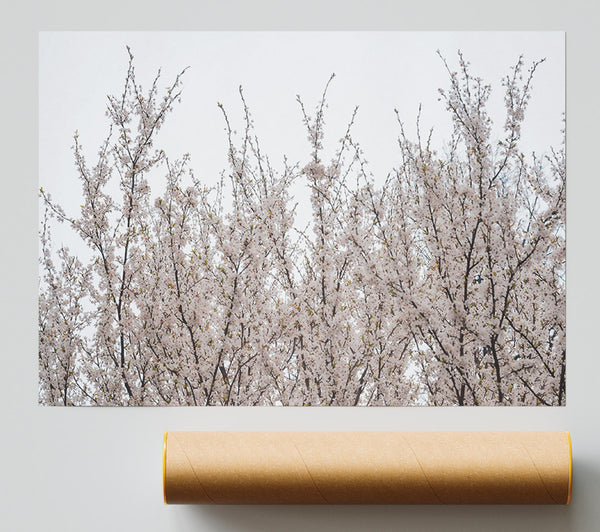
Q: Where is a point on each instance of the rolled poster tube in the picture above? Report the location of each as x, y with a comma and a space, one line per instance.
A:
367, 468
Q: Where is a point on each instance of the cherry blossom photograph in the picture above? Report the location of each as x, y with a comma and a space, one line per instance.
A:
302, 219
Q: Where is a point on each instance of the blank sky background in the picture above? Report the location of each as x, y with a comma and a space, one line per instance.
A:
378, 71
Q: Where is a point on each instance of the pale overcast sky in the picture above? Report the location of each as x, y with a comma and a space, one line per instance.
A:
378, 71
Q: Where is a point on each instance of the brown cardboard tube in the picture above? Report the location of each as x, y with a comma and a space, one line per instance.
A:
367, 467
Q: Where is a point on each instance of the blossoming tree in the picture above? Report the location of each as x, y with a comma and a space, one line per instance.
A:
444, 286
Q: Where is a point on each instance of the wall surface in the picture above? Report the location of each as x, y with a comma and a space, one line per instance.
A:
100, 469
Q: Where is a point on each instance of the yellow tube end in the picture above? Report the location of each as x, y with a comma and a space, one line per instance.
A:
164, 468
570, 467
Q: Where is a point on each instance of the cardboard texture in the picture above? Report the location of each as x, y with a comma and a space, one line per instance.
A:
367, 467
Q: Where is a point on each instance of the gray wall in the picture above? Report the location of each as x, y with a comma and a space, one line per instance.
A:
100, 469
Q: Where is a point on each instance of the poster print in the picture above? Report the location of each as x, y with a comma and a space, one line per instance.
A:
306, 218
